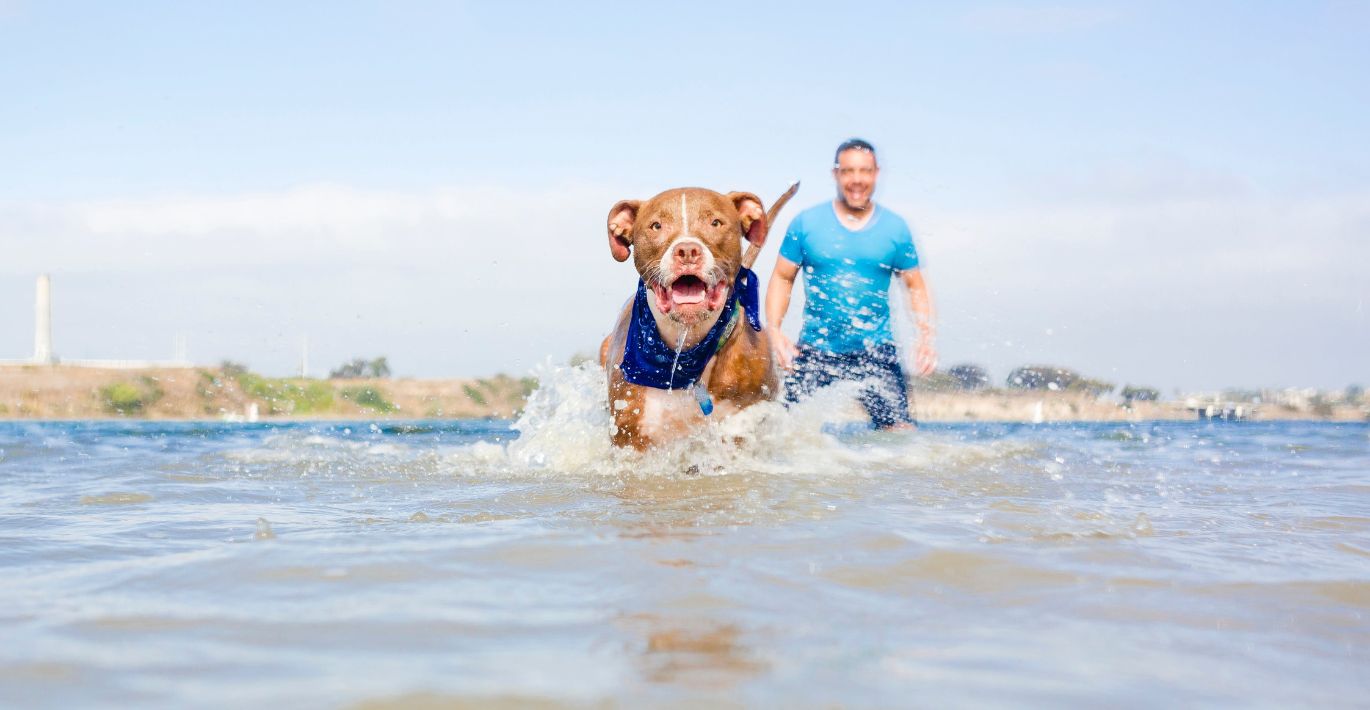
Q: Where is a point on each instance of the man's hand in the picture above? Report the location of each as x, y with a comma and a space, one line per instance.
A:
925, 359
783, 348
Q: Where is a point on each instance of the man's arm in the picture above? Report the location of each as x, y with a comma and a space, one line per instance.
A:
778, 293
920, 302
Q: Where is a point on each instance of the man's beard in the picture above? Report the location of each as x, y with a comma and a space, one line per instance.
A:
847, 203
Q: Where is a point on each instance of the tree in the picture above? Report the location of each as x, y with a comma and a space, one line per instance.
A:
969, 377
352, 369
232, 369
1092, 387
360, 367
1042, 377
1140, 394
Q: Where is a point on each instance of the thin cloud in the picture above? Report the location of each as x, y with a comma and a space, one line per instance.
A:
479, 279
312, 224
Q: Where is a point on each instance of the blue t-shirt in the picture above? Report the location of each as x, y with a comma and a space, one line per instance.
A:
847, 275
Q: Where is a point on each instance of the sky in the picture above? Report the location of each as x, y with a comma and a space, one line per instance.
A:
1164, 194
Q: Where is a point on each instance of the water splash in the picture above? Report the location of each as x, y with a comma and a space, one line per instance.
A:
565, 431
670, 381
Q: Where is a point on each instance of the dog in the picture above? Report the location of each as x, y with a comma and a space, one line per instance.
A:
689, 344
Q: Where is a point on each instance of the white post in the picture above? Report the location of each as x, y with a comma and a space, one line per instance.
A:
42, 330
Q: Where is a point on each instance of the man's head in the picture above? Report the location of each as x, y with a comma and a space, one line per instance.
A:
855, 170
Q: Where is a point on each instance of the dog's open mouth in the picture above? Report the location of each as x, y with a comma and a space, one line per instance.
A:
689, 292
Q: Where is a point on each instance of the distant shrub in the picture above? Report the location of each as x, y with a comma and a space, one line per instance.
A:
1140, 394
284, 396
312, 397
1094, 388
969, 377
1041, 377
359, 367
370, 398
207, 386
232, 369
475, 394
129, 398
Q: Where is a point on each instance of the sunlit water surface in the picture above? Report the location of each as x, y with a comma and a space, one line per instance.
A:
772, 562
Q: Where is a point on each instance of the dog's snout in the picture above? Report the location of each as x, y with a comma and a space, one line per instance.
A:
688, 253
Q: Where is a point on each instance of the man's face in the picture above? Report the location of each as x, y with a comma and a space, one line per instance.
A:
856, 172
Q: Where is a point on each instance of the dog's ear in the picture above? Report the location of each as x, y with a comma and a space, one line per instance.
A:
749, 208
621, 219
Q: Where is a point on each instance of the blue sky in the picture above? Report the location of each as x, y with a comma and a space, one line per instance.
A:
1157, 193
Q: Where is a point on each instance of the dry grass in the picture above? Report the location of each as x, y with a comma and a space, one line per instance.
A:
64, 392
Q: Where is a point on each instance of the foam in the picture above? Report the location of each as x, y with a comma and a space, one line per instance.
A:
565, 430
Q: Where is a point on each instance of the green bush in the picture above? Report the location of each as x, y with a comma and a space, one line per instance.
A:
128, 398
475, 394
370, 398
1041, 377
287, 396
360, 367
232, 369
969, 376
1092, 387
1140, 394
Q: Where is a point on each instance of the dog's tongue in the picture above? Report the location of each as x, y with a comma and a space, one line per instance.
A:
686, 291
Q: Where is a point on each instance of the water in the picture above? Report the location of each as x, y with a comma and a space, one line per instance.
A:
396, 564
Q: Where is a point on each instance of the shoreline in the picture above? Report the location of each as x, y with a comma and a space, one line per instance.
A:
213, 395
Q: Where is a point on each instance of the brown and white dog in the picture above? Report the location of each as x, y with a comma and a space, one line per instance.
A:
687, 246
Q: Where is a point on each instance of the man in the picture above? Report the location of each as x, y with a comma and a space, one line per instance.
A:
849, 249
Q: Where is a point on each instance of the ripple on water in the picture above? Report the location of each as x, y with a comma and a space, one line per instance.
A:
938, 571
116, 499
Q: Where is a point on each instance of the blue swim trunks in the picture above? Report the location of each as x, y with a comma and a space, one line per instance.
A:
884, 396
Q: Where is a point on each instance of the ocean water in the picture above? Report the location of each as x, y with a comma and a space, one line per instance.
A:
774, 561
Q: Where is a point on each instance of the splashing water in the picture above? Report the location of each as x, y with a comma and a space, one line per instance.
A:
670, 381
565, 430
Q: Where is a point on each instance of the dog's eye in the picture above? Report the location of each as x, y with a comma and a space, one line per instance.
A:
718, 223
656, 226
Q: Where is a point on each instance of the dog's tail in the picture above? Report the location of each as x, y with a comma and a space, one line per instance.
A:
753, 250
